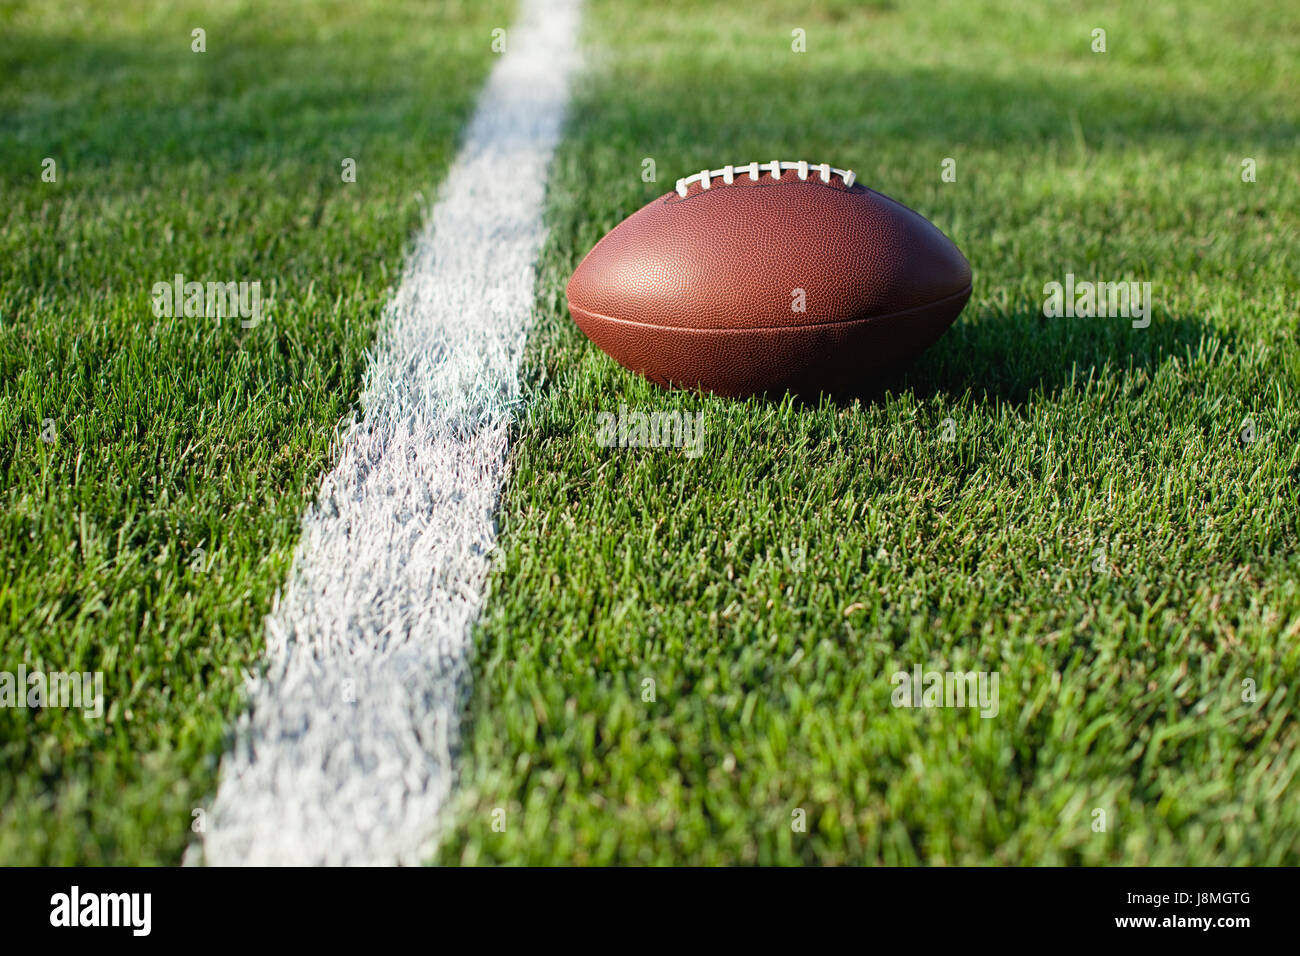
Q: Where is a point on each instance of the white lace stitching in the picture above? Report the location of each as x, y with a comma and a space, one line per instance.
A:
775, 167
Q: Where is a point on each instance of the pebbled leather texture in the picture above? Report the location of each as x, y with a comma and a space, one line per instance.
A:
698, 291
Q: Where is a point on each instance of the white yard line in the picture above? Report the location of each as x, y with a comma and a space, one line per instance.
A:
345, 755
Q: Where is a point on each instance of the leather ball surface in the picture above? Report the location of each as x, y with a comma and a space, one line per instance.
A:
769, 283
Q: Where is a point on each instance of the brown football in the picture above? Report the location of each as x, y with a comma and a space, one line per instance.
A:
767, 277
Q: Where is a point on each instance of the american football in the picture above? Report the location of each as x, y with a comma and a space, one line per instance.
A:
769, 276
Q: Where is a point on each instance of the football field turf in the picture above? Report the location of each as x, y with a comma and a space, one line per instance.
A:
148, 538
771, 587
683, 659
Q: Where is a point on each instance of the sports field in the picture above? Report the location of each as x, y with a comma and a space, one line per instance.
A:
683, 659
147, 540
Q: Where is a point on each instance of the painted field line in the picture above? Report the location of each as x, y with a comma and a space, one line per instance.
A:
345, 755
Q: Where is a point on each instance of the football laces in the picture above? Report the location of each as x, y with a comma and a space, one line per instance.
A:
728, 173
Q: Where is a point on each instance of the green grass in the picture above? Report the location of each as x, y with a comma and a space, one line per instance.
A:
179, 435
770, 588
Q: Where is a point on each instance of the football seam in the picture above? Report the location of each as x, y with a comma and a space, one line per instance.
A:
775, 328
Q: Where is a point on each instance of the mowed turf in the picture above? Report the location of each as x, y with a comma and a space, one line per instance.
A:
683, 657
147, 539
